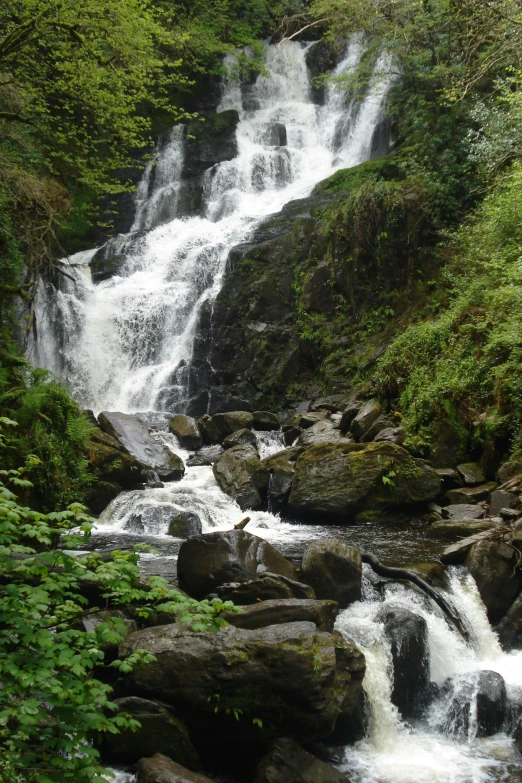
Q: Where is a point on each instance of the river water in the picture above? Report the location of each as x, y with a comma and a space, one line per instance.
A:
125, 344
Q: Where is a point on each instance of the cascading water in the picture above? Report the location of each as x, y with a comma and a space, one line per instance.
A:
125, 343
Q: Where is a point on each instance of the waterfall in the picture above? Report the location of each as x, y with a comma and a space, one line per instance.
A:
124, 341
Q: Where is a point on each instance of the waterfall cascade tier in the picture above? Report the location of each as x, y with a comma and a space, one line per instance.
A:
121, 332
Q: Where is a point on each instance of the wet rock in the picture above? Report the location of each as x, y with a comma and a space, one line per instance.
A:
452, 530
287, 762
99, 496
275, 135
501, 499
391, 435
380, 424
450, 478
510, 627
161, 769
493, 565
287, 610
292, 678
264, 421
205, 456
186, 430
324, 431
408, 635
242, 437
282, 467
474, 704
267, 587
509, 470
456, 553
334, 570
136, 440
337, 481
470, 495
463, 511
368, 414
112, 465
240, 474
349, 414
184, 524
161, 731
471, 474
321, 57
216, 428
305, 419
290, 434
210, 142
318, 294
207, 561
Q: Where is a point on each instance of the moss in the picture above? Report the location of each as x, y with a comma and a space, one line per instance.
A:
386, 168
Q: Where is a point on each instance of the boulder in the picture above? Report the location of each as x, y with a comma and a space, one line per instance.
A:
242, 437
391, 435
290, 610
380, 424
136, 440
267, 587
306, 419
287, 762
510, 627
334, 570
186, 430
471, 474
161, 731
474, 705
161, 769
207, 561
205, 456
216, 428
112, 465
210, 141
265, 421
508, 471
290, 434
184, 524
349, 415
493, 565
291, 678
452, 530
275, 135
463, 511
325, 431
369, 413
456, 553
282, 467
337, 481
450, 478
408, 636
240, 474
500, 499
470, 495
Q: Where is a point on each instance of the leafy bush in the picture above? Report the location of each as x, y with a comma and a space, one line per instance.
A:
53, 696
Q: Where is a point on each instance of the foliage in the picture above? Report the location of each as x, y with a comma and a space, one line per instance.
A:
464, 365
55, 697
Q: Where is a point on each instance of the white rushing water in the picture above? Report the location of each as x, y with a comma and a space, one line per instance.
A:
125, 343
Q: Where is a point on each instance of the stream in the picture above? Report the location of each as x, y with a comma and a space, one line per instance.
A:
125, 344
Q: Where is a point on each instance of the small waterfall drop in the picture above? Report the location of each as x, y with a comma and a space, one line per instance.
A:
123, 340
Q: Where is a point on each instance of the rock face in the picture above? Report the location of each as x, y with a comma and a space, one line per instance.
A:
475, 703
408, 635
207, 561
322, 613
161, 731
135, 439
161, 769
240, 474
185, 524
293, 678
287, 762
334, 570
186, 430
510, 627
337, 481
493, 566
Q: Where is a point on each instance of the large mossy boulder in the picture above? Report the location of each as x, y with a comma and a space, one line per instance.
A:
455, 529
240, 474
161, 731
186, 430
161, 769
208, 561
287, 762
184, 524
135, 439
334, 569
284, 680
337, 481
216, 428
111, 463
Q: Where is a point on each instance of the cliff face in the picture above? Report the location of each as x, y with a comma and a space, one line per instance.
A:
313, 299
